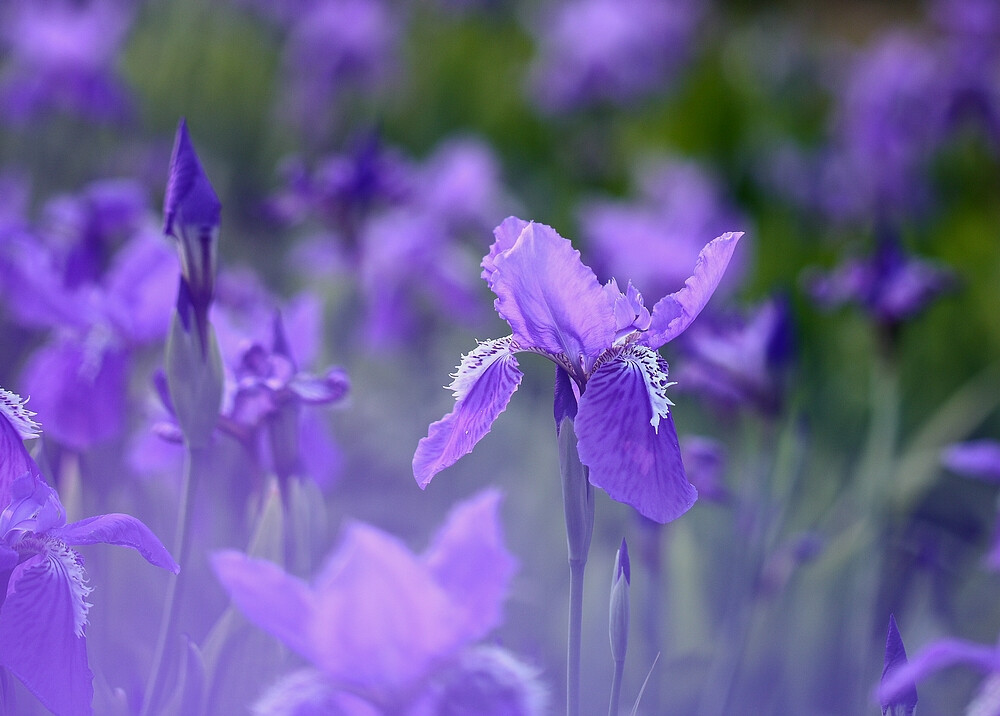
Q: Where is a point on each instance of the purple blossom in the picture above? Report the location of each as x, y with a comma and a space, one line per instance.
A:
379, 622
655, 238
705, 464
977, 458
610, 51
891, 285
43, 610
740, 360
61, 57
604, 344
335, 47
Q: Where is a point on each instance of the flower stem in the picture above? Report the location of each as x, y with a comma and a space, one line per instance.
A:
616, 688
194, 458
573, 650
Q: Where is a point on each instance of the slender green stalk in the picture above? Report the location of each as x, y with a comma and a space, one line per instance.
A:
616, 687
194, 458
573, 649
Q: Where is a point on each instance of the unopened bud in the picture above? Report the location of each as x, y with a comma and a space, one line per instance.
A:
618, 616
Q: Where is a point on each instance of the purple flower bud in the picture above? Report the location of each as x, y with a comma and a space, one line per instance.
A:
903, 703
191, 214
618, 617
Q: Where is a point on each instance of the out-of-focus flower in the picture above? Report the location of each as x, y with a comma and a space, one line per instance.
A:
379, 623
905, 701
61, 56
399, 229
705, 465
891, 285
43, 610
604, 343
740, 360
655, 238
334, 48
610, 51
976, 458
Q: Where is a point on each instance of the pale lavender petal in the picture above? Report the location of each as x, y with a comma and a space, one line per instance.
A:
934, 657
633, 461
976, 458
41, 634
505, 236
309, 692
319, 390
277, 602
550, 299
672, 314
483, 385
381, 620
468, 558
123, 530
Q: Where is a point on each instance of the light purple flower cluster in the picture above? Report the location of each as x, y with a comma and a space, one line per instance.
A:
593, 52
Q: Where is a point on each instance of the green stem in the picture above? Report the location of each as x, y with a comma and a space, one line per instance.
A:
616, 688
194, 457
573, 650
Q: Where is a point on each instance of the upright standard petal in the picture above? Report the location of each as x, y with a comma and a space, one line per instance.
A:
483, 385
119, 529
15, 426
672, 314
505, 236
550, 299
627, 438
468, 558
41, 632
277, 602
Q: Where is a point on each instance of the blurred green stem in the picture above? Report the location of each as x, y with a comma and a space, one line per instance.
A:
195, 459
573, 650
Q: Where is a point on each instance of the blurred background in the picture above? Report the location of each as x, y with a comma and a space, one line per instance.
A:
364, 150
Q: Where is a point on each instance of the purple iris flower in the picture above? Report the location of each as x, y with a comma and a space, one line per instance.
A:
379, 623
904, 701
609, 374
43, 608
891, 285
61, 56
655, 238
610, 51
740, 360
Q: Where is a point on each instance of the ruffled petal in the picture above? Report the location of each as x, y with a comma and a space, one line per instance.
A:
627, 438
14, 460
672, 314
119, 529
41, 632
468, 558
550, 299
483, 385
382, 621
505, 236
277, 602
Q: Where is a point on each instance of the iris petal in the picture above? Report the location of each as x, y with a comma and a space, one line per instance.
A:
277, 602
41, 632
551, 300
483, 385
123, 530
672, 314
468, 558
633, 461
